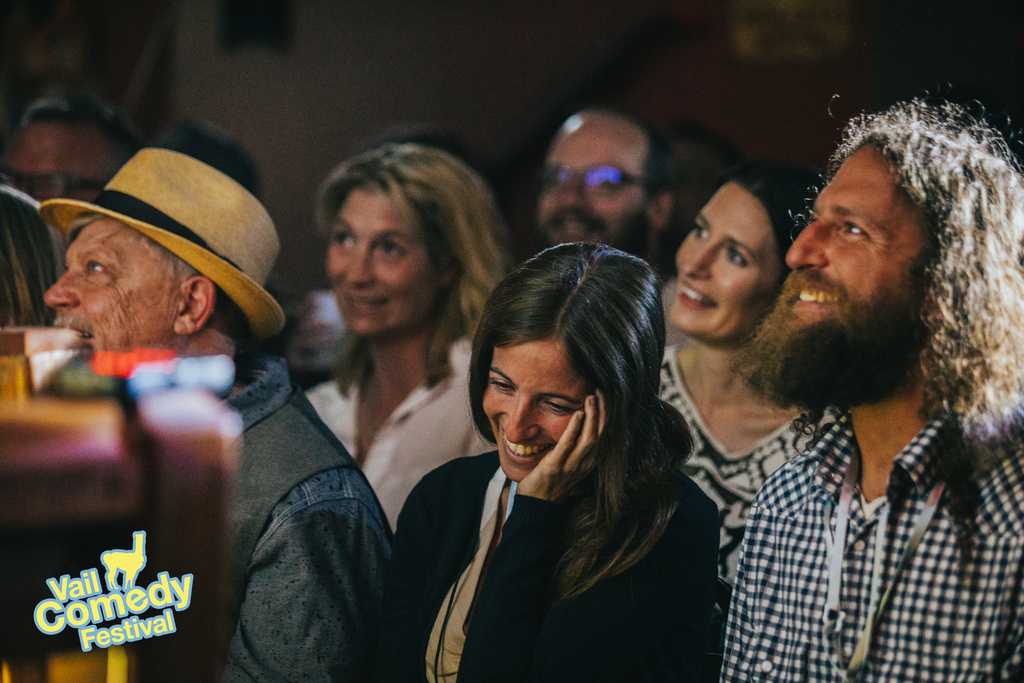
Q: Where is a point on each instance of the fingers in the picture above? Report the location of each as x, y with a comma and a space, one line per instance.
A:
591, 425
549, 478
571, 458
574, 460
601, 411
567, 442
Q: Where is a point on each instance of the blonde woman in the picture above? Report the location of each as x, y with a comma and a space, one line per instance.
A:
413, 255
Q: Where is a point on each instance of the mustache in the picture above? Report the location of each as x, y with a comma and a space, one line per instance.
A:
801, 280
592, 223
68, 321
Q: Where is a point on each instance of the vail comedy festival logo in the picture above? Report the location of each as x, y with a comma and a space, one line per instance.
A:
81, 603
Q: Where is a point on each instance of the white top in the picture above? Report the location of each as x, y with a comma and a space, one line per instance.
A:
429, 428
870, 507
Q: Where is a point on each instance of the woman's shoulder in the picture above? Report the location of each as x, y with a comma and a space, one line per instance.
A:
452, 491
696, 513
673, 386
325, 392
459, 355
336, 410
461, 473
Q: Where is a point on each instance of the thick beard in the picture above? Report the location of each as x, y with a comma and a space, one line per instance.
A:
633, 231
865, 353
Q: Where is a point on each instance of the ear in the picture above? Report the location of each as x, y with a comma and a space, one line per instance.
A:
659, 211
196, 301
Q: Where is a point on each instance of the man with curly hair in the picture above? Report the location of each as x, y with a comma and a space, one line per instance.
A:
891, 549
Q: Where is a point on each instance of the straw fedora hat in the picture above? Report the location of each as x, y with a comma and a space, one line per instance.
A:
198, 214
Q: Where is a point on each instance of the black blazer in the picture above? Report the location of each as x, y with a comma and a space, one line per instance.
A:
649, 623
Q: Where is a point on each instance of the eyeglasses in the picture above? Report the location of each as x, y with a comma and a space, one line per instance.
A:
49, 185
602, 181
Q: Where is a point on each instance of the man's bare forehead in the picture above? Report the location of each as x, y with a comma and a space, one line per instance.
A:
104, 229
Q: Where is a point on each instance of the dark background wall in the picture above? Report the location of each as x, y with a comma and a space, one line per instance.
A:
305, 83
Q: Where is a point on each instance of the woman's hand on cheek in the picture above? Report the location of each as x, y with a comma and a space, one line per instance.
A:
571, 458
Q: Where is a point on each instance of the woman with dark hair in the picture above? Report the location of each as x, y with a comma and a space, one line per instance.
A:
731, 268
578, 550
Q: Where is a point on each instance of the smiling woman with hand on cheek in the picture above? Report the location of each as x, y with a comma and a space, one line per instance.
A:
731, 268
577, 551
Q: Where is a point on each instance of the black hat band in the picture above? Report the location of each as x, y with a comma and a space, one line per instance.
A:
135, 208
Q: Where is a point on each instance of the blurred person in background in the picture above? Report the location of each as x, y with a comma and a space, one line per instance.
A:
731, 268
68, 147
31, 260
315, 341
413, 255
608, 178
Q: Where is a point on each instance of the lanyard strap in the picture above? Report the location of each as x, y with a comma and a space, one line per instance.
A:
835, 559
833, 616
860, 653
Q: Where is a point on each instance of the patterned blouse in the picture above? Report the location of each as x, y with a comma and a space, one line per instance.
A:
729, 479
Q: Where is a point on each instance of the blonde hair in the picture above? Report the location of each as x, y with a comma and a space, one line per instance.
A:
31, 260
461, 225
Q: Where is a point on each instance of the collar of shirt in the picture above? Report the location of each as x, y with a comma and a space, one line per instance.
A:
268, 386
914, 463
493, 495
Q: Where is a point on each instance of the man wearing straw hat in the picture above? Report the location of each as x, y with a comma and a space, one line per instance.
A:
173, 254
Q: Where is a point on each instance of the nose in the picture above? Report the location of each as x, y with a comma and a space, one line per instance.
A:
359, 266
572, 192
575, 191
808, 250
519, 424
694, 259
62, 294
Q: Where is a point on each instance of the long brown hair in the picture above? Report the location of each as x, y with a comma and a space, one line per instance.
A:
604, 307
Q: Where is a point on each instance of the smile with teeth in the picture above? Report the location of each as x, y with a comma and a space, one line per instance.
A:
520, 449
820, 297
695, 295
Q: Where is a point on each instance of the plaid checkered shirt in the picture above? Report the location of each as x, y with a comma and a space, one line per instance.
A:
942, 622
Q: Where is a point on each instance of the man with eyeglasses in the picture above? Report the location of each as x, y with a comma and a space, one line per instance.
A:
892, 548
68, 148
608, 178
